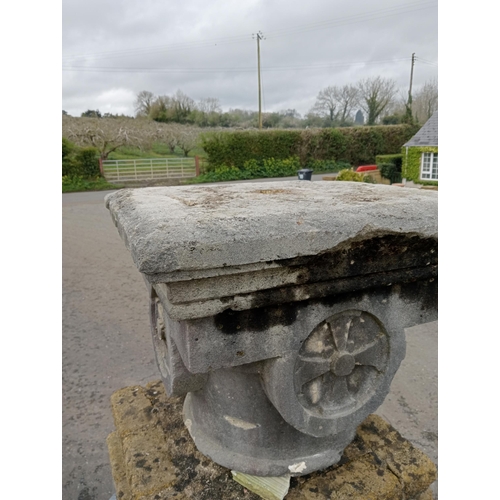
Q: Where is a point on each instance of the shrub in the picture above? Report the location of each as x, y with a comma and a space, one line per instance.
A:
87, 160
390, 171
390, 166
252, 169
69, 166
350, 175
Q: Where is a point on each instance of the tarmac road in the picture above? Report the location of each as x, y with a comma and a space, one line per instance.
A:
107, 346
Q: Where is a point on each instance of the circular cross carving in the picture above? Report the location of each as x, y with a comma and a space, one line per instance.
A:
341, 364
158, 330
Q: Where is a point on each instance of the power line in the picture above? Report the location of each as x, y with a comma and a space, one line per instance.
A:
163, 48
425, 61
212, 69
340, 21
367, 16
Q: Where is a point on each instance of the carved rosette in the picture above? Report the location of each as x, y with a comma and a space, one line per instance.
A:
340, 373
176, 378
341, 363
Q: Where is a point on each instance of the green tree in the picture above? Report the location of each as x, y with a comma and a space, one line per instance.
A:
91, 113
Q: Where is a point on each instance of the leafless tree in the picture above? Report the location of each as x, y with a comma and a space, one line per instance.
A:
104, 134
347, 98
209, 105
188, 138
425, 101
326, 104
375, 94
168, 133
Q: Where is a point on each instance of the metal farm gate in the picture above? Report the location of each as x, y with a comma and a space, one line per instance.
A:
150, 168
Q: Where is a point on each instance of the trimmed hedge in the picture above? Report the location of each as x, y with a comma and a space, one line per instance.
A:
353, 145
79, 162
396, 160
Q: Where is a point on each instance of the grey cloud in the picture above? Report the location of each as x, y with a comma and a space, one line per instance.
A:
93, 27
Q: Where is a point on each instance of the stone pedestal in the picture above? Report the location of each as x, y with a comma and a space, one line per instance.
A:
280, 308
153, 457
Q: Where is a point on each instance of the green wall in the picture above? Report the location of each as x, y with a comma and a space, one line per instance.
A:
412, 158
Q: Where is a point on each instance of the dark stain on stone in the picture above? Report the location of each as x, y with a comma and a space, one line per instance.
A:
187, 465
85, 494
429, 435
375, 254
313, 490
423, 291
181, 440
369, 427
376, 459
358, 485
256, 319
380, 472
141, 463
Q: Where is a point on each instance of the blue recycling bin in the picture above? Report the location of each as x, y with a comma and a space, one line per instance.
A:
305, 174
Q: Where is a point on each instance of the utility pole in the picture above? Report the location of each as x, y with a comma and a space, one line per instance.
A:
409, 115
259, 37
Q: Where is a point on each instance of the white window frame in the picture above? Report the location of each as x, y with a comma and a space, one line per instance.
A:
429, 169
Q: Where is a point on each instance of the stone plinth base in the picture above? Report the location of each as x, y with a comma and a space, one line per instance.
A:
154, 458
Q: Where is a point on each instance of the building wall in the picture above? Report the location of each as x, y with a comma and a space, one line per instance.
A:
412, 160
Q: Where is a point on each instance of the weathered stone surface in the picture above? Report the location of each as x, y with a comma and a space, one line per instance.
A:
280, 310
240, 224
363, 478
157, 460
413, 468
212, 248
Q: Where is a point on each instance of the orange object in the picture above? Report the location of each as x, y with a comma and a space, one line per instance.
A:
366, 168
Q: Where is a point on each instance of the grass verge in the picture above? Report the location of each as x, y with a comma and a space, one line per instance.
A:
71, 184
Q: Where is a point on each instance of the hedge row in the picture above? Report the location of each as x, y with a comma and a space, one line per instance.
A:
354, 145
83, 162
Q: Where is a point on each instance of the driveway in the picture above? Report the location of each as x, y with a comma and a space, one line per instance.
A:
107, 346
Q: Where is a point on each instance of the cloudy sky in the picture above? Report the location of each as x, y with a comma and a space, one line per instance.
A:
113, 50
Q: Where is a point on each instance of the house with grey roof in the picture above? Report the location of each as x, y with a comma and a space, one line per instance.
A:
420, 154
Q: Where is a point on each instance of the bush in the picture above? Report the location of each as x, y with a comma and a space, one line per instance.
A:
350, 175
390, 171
390, 167
252, 169
87, 160
69, 166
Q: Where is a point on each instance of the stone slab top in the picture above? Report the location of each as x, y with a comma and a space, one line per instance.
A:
190, 229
